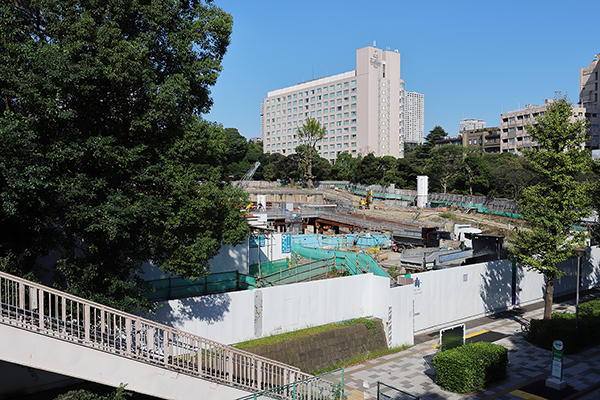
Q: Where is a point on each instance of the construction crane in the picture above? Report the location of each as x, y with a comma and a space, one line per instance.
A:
243, 183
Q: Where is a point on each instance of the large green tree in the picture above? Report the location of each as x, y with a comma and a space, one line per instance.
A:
509, 175
309, 134
559, 200
104, 149
236, 148
345, 167
445, 164
475, 174
421, 152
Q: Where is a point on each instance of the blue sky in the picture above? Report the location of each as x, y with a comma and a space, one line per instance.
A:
471, 59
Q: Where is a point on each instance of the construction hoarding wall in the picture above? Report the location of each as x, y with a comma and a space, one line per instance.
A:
275, 197
238, 316
443, 297
399, 322
436, 299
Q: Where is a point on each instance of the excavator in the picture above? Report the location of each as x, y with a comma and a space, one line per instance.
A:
365, 203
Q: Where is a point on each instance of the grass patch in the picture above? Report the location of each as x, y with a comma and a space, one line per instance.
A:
360, 359
448, 215
300, 334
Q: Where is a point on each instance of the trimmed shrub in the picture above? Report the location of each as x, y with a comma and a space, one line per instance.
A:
469, 367
562, 327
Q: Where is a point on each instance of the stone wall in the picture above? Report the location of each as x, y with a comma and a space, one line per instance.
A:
327, 348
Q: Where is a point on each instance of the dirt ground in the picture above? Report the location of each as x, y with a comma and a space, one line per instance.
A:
445, 218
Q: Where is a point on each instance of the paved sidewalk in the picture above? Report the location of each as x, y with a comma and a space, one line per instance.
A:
412, 371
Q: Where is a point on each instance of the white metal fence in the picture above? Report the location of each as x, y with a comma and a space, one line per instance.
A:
47, 311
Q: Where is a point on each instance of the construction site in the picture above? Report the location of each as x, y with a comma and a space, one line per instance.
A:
441, 234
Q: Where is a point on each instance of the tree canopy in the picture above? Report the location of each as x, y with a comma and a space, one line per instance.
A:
104, 150
309, 134
559, 200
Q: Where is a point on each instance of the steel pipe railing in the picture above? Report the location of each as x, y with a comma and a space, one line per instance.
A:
48, 311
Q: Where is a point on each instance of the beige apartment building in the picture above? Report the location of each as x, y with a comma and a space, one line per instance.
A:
588, 84
513, 134
487, 139
361, 110
588, 99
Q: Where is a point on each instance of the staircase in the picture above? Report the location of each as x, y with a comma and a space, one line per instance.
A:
48, 329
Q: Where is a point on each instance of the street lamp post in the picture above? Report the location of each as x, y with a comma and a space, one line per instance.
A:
579, 251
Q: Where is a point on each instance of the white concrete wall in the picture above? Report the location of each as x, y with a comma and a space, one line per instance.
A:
231, 258
400, 316
239, 316
443, 297
448, 295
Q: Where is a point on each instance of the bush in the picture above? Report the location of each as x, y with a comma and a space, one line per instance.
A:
562, 327
469, 367
448, 215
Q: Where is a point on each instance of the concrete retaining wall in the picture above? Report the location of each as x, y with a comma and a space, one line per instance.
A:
328, 348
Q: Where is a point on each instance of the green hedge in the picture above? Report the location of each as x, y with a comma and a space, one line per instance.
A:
562, 327
469, 367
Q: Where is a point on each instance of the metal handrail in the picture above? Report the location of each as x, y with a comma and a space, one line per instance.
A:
298, 273
50, 312
354, 266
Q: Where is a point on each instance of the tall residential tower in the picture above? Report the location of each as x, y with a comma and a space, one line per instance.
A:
414, 116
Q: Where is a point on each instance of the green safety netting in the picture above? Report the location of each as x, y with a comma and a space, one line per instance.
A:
356, 263
277, 272
174, 287
270, 267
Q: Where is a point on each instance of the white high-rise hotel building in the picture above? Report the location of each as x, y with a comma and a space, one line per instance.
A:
362, 110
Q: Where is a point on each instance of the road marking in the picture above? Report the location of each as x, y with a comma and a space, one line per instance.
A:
435, 346
476, 333
527, 396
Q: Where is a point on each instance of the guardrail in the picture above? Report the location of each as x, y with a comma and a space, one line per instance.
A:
299, 273
327, 386
31, 306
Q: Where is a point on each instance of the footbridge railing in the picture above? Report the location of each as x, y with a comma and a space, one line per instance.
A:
31, 306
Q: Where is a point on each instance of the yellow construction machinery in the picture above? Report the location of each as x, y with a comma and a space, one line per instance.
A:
367, 201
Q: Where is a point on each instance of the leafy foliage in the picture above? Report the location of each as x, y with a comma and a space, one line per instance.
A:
562, 327
445, 165
470, 367
558, 200
309, 134
119, 394
104, 149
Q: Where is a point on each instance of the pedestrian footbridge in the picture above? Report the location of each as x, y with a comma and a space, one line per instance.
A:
47, 329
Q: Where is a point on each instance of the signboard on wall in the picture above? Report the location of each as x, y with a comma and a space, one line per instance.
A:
254, 241
286, 243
